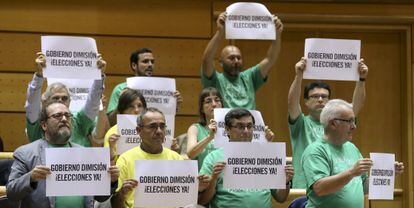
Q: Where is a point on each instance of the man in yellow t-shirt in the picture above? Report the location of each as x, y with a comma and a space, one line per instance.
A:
151, 128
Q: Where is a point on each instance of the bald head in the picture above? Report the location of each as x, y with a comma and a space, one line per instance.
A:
231, 60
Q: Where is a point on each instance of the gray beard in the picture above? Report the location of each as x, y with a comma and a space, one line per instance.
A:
60, 137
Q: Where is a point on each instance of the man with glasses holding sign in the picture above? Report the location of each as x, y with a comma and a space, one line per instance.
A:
27, 181
335, 171
151, 129
239, 127
305, 130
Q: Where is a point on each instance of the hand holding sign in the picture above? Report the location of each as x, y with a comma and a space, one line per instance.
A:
221, 20
101, 64
289, 172
39, 173
203, 182
279, 24
362, 69
269, 134
300, 67
361, 166
217, 169
399, 167
114, 172
127, 186
212, 128
40, 63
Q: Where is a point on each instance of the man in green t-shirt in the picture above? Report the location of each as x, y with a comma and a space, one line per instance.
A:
27, 180
142, 63
239, 127
335, 171
237, 88
307, 129
82, 122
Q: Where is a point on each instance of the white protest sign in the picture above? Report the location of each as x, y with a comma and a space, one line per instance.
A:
221, 136
259, 165
249, 21
158, 92
332, 59
166, 183
78, 90
78, 172
382, 176
127, 131
70, 57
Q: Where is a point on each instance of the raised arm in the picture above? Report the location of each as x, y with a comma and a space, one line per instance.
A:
33, 97
193, 147
294, 109
208, 56
273, 51
94, 96
358, 99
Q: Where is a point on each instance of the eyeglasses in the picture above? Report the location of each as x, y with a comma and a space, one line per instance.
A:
59, 116
155, 126
317, 96
60, 98
350, 121
241, 127
210, 101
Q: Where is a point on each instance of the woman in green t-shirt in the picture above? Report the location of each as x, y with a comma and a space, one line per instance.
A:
201, 134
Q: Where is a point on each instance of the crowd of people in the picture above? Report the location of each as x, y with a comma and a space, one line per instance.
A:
325, 161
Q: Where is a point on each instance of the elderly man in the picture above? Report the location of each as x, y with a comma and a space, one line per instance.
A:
142, 62
335, 171
27, 178
239, 127
306, 129
237, 88
151, 129
82, 121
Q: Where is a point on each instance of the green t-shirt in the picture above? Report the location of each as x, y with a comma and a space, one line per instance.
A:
237, 92
116, 93
203, 132
69, 201
322, 159
303, 131
240, 198
82, 126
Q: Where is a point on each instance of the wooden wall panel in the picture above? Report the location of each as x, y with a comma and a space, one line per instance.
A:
12, 131
180, 57
329, 8
125, 17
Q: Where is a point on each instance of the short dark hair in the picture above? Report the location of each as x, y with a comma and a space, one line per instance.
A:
205, 93
127, 97
134, 58
313, 85
236, 113
43, 113
145, 111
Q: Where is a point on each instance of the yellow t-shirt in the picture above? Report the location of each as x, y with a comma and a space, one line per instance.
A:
126, 166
